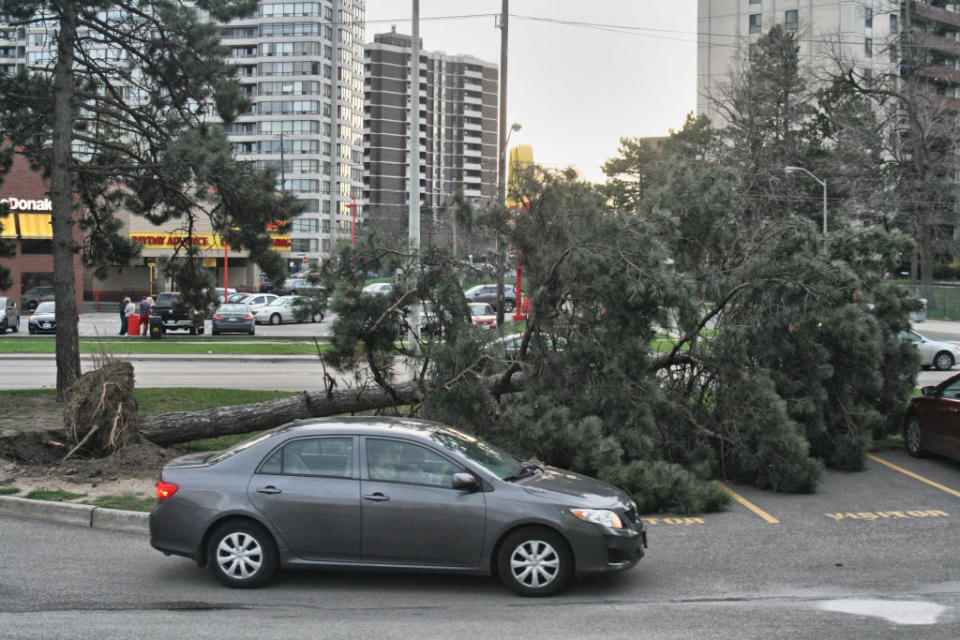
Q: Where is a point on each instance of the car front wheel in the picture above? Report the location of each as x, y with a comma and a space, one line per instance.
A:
943, 361
535, 562
275, 318
242, 555
914, 437
508, 305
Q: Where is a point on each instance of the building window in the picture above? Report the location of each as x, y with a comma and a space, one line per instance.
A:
305, 225
894, 23
868, 47
754, 50
791, 18
303, 245
754, 1
868, 17
756, 22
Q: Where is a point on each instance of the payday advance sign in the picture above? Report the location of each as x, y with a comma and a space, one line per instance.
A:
206, 241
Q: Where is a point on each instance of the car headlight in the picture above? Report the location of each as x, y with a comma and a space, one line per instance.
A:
599, 516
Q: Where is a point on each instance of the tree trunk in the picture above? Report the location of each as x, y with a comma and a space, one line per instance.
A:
182, 426
61, 196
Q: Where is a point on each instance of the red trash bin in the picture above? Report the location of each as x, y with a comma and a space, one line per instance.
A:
133, 325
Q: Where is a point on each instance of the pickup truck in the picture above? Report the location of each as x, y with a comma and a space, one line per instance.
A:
170, 312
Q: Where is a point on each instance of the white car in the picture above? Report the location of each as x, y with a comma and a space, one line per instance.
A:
255, 301
282, 310
939, 355
378, 288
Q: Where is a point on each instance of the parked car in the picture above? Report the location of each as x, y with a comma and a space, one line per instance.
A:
378, 288
170, 312
931, 421
254, 300
488, 293
35, 295
9, 315
283, 310
482, 315
295, 286
390, 493
939, 355
233, 318
44, 318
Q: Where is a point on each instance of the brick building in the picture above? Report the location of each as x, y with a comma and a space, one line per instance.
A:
27, 225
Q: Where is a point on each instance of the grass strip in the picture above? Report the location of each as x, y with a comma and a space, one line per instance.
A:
8, 491
135, 347
125, 502
53, 495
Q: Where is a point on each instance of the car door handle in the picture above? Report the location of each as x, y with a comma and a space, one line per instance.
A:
269, 489
376, 497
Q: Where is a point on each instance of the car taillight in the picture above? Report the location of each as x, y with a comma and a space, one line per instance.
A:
166, 489
218, 317
247, 318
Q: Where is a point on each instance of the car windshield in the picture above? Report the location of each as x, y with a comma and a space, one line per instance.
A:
45, 307
237, 297
233, 308
480, 309
278, 302
497, 462
165, 299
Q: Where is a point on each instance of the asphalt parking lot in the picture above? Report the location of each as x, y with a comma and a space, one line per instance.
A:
870, 555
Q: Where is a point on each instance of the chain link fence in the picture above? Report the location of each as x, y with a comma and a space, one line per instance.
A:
942, 301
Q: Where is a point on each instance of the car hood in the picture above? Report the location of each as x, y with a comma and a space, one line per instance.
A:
584, 490
44, 317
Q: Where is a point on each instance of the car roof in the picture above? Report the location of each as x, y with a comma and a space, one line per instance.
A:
364, 425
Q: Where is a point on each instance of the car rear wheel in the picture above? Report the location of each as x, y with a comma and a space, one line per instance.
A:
914, 438
535, 562
942, 361
16, 326
242, 554
508, 305
275, 318
317, 317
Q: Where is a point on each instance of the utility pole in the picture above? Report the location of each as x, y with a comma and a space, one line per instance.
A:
414, 217
502, 155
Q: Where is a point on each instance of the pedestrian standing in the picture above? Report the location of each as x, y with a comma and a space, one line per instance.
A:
123, 316
129, 310
144, 309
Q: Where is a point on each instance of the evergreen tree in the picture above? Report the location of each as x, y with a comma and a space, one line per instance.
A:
125, 100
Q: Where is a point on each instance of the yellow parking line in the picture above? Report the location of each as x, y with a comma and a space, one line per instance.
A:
749, 505
915, 476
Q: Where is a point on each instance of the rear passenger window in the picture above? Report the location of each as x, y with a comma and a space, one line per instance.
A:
329, 457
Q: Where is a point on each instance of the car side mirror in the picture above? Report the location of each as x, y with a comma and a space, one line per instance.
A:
465, 482
929, 391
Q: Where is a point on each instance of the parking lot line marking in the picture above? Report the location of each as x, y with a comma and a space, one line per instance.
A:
749, 505
952, 492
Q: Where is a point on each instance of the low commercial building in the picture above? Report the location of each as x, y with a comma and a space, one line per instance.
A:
27, 225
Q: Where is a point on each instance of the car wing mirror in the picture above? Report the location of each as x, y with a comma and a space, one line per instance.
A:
929, 391
465, 482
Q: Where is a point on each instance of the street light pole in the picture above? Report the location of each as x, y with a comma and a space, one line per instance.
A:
502, 159
822, 183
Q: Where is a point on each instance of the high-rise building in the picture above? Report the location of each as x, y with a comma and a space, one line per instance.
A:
864, 34
301, 65
458, 137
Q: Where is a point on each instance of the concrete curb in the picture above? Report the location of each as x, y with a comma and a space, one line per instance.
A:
79, 515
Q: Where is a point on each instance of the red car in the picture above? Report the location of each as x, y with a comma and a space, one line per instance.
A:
933, 421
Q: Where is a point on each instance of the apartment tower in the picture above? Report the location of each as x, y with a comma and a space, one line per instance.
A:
458, 138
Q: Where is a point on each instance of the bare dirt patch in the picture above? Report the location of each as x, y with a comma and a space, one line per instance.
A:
31, 459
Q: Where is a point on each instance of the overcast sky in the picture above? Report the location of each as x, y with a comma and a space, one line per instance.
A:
624, 68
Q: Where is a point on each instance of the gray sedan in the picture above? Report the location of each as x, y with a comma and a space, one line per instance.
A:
233, 318
390, 493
